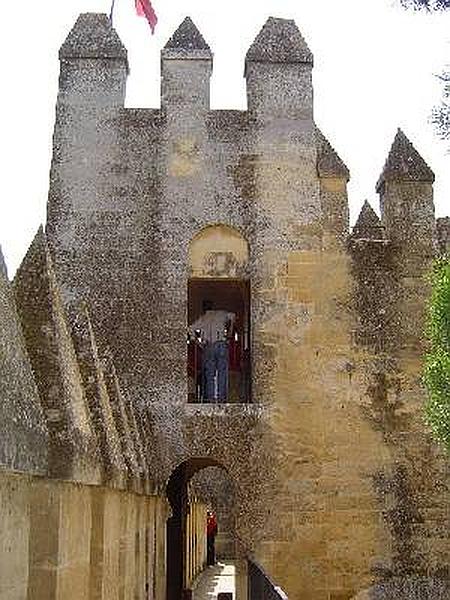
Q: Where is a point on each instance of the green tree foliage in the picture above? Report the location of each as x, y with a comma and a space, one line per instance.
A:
437, 364
426, 4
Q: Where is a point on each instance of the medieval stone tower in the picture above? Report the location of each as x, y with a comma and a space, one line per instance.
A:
338, 491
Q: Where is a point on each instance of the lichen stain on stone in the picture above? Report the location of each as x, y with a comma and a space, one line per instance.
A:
184, 160
384, 410
243, 175
401, 514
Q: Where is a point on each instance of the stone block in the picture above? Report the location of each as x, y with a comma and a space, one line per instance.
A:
14, 535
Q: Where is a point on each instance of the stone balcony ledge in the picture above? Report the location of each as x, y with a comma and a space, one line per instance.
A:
224, 409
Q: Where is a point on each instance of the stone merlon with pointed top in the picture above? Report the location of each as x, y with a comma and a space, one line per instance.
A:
329, 163
93, 36
52, 356
406, 199
93, 65
404, 163
3, 269
186, 67
279, 41
368, 225
187, 42
23, 434
278, 69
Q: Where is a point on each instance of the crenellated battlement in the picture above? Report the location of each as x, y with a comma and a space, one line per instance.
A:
278, 61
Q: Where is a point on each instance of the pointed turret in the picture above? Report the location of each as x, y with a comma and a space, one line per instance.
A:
406, 200
186, 67
93, 36
187, 41
279, 41
368, 226
404, 163
93, 64
278, 71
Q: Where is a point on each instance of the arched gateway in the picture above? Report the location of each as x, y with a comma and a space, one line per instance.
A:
186, 527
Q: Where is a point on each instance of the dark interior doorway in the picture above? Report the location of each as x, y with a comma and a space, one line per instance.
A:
175, 543
232, 295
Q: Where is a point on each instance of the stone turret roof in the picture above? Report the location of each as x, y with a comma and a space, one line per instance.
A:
279, 41
404, 163
93, 36
368, 226
329, 163
187, 41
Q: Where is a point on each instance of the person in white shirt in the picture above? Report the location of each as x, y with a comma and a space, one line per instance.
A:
212, 330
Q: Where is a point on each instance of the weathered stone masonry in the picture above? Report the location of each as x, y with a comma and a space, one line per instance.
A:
339, 490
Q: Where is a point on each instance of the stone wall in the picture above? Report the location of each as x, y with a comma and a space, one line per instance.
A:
62, 540
443, 231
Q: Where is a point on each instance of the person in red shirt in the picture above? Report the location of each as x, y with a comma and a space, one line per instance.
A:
211, 532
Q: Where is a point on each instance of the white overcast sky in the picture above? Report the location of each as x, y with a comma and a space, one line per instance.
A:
375, 70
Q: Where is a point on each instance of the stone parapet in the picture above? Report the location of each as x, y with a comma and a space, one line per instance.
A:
62, 540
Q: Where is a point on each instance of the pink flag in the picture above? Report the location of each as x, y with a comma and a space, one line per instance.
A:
144, 8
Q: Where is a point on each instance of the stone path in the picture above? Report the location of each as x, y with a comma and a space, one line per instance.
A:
213, 580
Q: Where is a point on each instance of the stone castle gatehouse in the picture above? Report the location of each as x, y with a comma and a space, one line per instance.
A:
319, 456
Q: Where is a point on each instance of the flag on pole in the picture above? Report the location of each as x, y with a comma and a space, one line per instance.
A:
145, 9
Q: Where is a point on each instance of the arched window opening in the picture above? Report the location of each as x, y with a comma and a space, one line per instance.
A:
219, 359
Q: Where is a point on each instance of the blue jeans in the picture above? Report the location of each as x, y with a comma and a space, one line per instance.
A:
215, 360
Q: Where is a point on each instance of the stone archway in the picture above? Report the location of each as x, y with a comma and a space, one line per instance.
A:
177, 494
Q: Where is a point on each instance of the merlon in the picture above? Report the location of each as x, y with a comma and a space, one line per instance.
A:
279, 41
404, 163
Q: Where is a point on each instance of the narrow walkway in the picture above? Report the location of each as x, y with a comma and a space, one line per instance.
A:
214, 580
